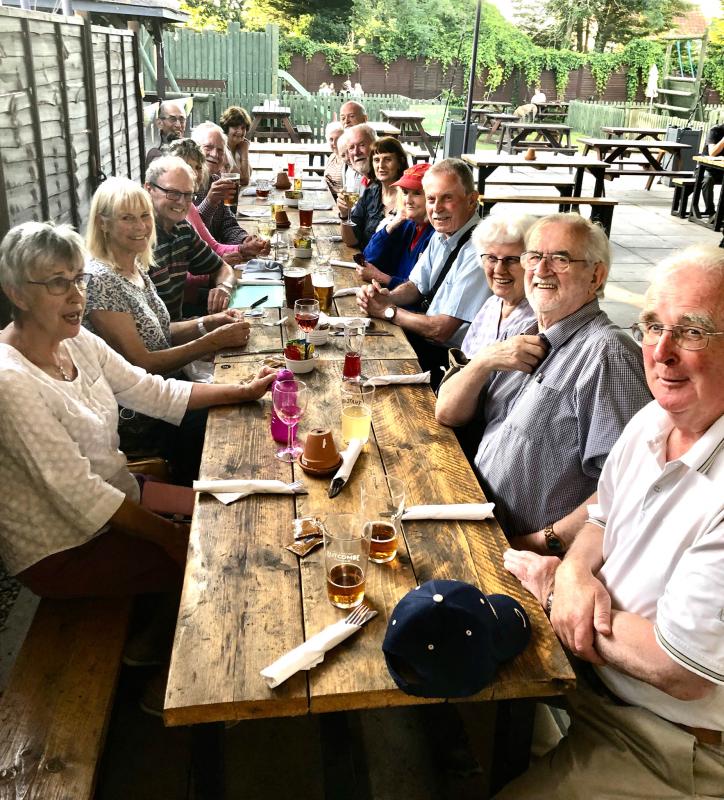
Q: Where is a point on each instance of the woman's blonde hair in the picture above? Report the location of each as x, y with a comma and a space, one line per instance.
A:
115, 196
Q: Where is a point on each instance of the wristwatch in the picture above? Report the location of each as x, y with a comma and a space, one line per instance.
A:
554, 544
225, 287
389, 313
200, 325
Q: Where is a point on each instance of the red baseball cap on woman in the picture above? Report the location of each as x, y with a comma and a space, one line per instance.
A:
412, 177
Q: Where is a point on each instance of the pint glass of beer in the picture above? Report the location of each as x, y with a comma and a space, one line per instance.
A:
294, 284
383, 501
356, 411
346, 553
323, 284
232, 196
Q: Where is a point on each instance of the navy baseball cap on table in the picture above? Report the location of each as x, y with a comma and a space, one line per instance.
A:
446, 638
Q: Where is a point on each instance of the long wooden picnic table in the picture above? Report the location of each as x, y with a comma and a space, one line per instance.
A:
548, 136
617, 153
622, 132
247, 600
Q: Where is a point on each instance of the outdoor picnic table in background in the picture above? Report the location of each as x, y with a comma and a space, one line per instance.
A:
272, 123
493, 120
411, 130
619, 132
553, 111
496, 105
514, 137
619, 155
716, 165
385, 129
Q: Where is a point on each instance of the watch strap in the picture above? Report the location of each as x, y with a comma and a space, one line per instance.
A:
554, 544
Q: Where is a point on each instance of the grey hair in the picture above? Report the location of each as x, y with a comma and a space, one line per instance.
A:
363, 127
596, 247
501, 230
160, 166
332, 127
189, 149
706, 257
453, 166
29, 247
355, 103
164, 104
200, 131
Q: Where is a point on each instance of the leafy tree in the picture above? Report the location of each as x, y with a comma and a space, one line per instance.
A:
576, 23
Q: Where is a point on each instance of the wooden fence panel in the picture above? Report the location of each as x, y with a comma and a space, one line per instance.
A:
48, 136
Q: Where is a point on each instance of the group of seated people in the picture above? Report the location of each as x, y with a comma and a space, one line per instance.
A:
611, 500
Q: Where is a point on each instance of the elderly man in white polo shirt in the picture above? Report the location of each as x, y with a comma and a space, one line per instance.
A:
639, 597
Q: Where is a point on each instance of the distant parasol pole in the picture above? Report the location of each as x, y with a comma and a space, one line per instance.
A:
471, 82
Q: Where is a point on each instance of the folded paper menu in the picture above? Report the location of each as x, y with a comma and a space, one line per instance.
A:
387, 380
309, 654
450, 511
341, 476
345, 292
230, 490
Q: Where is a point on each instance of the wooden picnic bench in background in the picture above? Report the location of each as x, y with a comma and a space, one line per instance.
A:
55, 709
601, 207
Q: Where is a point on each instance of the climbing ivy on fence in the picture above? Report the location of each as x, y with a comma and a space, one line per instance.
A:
502, 48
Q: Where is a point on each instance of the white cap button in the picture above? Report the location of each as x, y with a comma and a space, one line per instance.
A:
438, 598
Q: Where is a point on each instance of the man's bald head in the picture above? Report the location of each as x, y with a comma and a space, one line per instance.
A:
352, 113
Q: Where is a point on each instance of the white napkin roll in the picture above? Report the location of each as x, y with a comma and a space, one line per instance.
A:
266, 266
270, 281
450, 511
345, 292
386, 380
309, 654
228, 491
349, 458
336, 262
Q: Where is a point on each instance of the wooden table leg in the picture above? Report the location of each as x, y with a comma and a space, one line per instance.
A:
346, 775
513, 737
207, 761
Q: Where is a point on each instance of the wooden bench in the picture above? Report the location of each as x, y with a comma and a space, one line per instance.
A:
601, 207
55, 709
562, 184
683, 188
201, 85
304, 132
568, 151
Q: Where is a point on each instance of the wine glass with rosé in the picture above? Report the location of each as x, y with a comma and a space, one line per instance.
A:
290, 400
306, 314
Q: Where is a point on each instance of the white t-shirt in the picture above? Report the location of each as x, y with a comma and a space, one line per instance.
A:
663, 550
61, 472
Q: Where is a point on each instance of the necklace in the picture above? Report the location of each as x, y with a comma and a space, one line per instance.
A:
65, 375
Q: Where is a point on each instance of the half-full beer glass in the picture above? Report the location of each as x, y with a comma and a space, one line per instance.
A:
346, 554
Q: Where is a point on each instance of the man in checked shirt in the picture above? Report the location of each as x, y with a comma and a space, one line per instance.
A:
568, 385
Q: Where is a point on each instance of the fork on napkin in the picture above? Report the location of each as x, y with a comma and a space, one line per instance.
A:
312, 652
230, 490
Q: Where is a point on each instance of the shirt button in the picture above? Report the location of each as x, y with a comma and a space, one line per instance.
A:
657, 489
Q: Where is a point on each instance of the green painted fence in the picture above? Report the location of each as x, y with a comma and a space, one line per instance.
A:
247, 60
315, 111
588, 118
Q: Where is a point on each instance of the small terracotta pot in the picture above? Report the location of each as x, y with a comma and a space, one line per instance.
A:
282, 220
320, 456
282, 182
529, 154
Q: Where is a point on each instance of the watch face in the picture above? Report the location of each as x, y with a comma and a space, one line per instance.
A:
389, 312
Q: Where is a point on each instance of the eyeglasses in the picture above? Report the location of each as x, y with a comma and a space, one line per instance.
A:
687, 337
173, 195
506, 261
58, 286
209, 148
175, 120
558, 262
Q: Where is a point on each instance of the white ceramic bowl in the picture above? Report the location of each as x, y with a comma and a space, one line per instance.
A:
302, 252
300, 367
291, 202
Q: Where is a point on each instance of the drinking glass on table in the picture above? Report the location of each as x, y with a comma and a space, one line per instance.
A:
354, 339
306, 314
323, 285
324, 247
306, 212
232, 196
350, 200
263, 188
383, 501
290, 400
356, 411
346, 553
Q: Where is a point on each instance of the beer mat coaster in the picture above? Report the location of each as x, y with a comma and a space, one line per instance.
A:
254, 213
